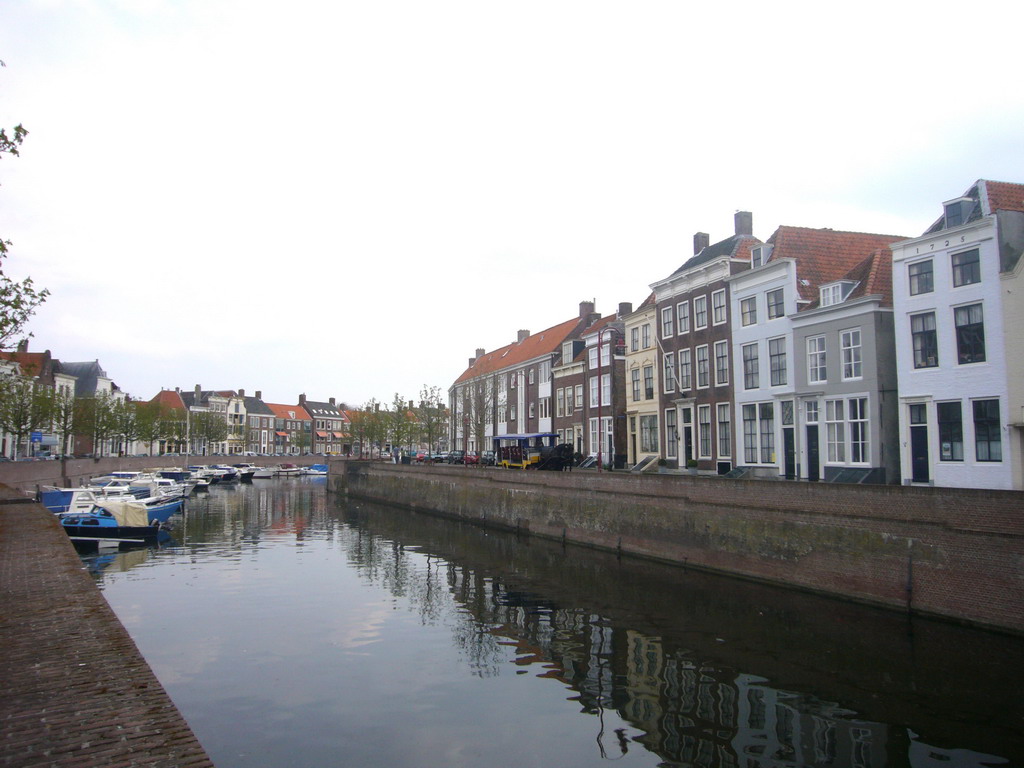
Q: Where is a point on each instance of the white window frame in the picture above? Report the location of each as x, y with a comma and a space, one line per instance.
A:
851, 354
748, 311
721, 374
668, 322
700, 307
685, 369
817, 360
704, 431
703, 372
669, 372
683, 317
719, 309
723, 417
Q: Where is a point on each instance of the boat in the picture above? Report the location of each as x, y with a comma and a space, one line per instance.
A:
288, 470
81, 499
117, 522
315, 469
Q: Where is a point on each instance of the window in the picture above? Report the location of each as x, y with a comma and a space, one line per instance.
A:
811, 411
702, 366
759, 255
858, 408
966, 268
532, 374
533, 409
816, 371
579, 396
921, 277
776, 308
766, 425
512, 412
635, 378
831, 294
671, 439
593, 384
987, 438
835, 430
926, 345
970, 334
668, 322
606, 354
648, 382
683, 314
560, 403
646, 333
543, 371
700, 312
777, 360
649, 434
606, 389
750, 367
704, 430
670, 372
850, 346
721, 363
685, 373
748, 311
951, 431
724, 431
718, 312
750, 434
634, 340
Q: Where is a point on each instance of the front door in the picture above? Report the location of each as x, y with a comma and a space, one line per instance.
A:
919, 454
687, 446
812, 452
789, 452
919, 468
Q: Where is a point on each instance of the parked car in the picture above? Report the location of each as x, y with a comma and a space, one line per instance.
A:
487, 458
420, 457
438, 458
472, 457
456, 457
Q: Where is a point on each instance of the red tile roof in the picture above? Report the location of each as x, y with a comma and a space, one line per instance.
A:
285, 411
170, 399
1004, 196
31, 363
533, 346
824, 255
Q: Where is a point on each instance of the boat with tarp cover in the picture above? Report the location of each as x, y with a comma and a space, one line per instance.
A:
116, 521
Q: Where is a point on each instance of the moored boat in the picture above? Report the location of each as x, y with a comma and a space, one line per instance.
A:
123, 522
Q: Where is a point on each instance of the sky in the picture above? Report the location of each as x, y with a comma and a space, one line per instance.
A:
347, 199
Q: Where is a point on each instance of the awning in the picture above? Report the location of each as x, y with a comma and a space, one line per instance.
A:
338, 434
321, 434
281, 434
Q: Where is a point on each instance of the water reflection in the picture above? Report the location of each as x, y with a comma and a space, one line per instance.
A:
666, 667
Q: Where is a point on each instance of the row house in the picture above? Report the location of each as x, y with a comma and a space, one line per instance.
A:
260, 422
693, 337
226, 404
594, 420
959, 293
45, 371
510, 390
292, 429
642, 384
812, 348
329, 428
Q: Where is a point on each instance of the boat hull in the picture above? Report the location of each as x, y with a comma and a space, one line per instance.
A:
141, 534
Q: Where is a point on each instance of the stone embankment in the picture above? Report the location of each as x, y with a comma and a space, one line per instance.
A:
76, 690
951, 553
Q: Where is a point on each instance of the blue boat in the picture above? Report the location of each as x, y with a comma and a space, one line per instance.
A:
122, 522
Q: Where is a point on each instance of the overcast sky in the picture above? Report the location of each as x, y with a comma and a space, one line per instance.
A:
346, 199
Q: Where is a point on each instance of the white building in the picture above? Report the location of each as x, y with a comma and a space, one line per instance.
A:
956, 293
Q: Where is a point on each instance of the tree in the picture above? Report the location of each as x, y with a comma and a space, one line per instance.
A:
18, 301
432, 415
95, 420
63, 417
149, 423
301, 439
208, 427
400, 427
25, 407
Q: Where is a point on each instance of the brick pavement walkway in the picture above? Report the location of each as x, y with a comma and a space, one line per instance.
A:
74, 689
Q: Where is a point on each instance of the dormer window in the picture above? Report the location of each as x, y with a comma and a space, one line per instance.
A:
759, 255
957, 211
835, 293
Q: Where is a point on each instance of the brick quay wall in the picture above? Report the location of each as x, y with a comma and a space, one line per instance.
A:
951, 553
76, 690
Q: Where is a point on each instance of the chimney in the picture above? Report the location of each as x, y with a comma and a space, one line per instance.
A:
241, 393
330, 400
479, 353
259, 395
701, 240
472, 361
744, 223
625, 307
23, 345
586, 309
523, 335
302, 399
410, 405
199, 392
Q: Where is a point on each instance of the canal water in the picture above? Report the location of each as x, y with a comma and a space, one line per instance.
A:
294, 629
